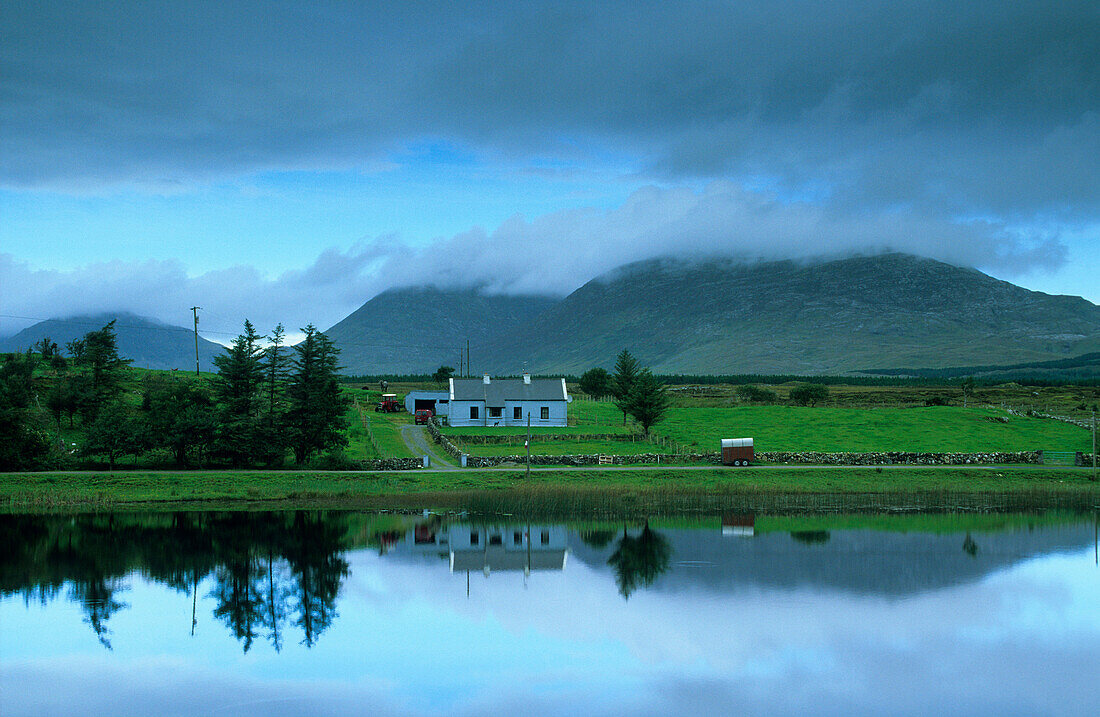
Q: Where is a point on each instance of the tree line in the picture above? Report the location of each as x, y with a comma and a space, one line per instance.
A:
266, 399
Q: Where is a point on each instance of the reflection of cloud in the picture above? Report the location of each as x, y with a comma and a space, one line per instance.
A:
1022, 640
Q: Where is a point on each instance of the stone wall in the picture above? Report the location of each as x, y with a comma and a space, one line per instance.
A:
391, 464
899, 458
451, 449
481, 439
803, 458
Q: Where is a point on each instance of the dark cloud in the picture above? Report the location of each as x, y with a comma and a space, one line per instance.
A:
952, 108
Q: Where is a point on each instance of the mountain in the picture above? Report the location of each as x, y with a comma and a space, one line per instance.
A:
403, 331
150, 343
825, 317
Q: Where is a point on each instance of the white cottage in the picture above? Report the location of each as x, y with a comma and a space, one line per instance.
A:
508, 402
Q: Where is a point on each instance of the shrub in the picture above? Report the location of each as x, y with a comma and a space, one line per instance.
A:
333, 460
755, 394
809, 394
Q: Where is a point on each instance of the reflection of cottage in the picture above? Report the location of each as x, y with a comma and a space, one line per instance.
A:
487, 548
508, 402
743, 526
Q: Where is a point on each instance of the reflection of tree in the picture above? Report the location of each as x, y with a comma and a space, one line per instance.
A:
313, 551
267, 568
811, 537
98, 599
597, 538
970, 547
639, 560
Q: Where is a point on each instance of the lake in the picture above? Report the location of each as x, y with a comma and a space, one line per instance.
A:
288, 613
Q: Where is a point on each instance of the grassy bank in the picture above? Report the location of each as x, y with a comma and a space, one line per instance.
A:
932, 429
552, 491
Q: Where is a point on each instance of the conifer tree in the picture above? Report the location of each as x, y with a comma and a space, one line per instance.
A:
238, 388
648, 400
102, 370
315, 418
626, 369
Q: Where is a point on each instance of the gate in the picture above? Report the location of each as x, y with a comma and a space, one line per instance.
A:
1059, 458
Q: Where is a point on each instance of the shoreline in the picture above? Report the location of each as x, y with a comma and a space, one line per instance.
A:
580, 491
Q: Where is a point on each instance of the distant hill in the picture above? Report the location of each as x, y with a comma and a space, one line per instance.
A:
418, 330
150, 343
828, 317
723, 317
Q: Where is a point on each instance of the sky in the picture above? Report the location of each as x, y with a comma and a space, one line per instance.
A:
287, 161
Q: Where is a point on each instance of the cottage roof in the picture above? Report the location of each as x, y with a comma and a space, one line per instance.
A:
499, 390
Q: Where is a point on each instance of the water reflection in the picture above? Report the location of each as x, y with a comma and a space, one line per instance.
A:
285, 613
267, 569
639, 560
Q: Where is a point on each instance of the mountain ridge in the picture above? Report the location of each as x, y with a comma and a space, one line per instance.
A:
149, 343
832, 316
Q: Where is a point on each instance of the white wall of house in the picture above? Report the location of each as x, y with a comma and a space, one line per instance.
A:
557, 414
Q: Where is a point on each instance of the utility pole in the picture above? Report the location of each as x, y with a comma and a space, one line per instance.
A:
195, 312
467, 358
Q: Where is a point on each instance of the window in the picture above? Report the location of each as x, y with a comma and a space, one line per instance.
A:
475, 537
495, 412
517, 537
544, 413
545, 537
496, 540
473, 413
517, 413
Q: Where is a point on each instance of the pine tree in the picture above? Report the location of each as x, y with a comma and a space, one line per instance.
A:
315, 418
626, 369
648, 400
102, 370
276, 367
238, 388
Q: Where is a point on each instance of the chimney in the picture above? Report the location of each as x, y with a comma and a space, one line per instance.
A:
485, 379
526, 378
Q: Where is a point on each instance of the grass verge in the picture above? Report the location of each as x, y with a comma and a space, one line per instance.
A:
562, 492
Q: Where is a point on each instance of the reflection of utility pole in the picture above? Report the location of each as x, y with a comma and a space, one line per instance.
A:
195, 312
194, 598
528, 444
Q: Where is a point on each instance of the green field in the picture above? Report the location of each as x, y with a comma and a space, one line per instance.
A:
932, 429
559, 448
566, 492
381, 430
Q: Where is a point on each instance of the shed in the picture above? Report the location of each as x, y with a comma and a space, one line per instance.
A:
438, 402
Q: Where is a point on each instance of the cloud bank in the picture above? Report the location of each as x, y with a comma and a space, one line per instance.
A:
952, 108
551, 254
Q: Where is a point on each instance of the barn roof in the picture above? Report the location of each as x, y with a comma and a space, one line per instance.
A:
499, 390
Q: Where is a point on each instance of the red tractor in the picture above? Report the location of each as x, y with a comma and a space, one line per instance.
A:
388, 404
423, 415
